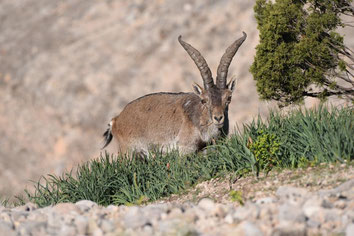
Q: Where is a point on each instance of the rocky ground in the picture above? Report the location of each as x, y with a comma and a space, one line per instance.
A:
315, 201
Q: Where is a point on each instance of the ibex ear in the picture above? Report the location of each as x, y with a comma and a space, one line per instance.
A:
232, 84
197, 89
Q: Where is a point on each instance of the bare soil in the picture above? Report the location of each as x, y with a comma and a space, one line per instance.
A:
251, 188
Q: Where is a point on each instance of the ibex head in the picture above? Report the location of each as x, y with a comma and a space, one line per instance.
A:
215, 97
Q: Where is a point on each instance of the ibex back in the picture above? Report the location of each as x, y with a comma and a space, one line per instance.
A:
185, 121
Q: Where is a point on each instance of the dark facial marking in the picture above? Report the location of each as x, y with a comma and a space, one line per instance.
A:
215, 96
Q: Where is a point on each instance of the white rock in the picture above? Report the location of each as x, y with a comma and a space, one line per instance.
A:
266, 200
290, 229
229, 219
250, 229
134, 218
206, 204
85, 205
107, 226
250, 211
27, 207
289, 212
175, 212
81, 222
6, 229
349, 231
245, 228
292, 195
66, 208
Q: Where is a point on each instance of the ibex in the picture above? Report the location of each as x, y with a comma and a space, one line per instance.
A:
185, 121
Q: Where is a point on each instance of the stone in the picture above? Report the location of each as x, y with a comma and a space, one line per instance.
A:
206, 224
206, 204
312, 206
175, 212
229, 219
349, 231
6, 216
38, 216
250, 211
67, 230
332, 215
153, 212
148, 230
345, 190
265, 200
190, 215
19, 216
81, 222
107, 226
134, 218
292, 195
340, 204
112, 208
289, 212
245, 228
313, 224
32, 227
97, 232
27, 207
174, 227
218, 211
7, 229
268, 211
66, 208
348, 217
290, 229
86, 205
250, 229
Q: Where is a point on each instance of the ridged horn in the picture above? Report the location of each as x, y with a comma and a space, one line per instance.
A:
226, 61
200, 63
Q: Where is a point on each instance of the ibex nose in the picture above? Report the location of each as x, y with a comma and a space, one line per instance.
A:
218, 118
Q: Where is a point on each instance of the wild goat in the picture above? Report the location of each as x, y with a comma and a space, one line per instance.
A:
186, 121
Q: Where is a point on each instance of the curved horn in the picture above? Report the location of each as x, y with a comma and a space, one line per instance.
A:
200, 62
226, 61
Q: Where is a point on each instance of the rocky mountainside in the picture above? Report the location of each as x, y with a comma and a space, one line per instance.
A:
67, 67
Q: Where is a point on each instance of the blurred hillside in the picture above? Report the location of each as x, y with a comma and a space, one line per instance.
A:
67, 67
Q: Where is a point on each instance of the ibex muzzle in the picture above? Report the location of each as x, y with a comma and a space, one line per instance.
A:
186, 121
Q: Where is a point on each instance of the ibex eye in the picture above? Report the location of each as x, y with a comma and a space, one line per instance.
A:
203, 101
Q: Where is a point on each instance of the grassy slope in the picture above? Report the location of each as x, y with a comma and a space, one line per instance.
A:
296, 140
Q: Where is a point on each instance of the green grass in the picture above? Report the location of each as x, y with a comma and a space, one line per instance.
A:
291, 141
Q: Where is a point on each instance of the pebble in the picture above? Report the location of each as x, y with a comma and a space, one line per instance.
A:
249, 229
289, 212
6, 229
85, 205
206, 204
293, 211
349, 230
292, 195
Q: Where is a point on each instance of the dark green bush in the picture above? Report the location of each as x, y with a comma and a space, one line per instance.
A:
299, 49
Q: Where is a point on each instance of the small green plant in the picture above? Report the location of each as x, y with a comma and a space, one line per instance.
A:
304, 162
4, 202
236, 196
266, 149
